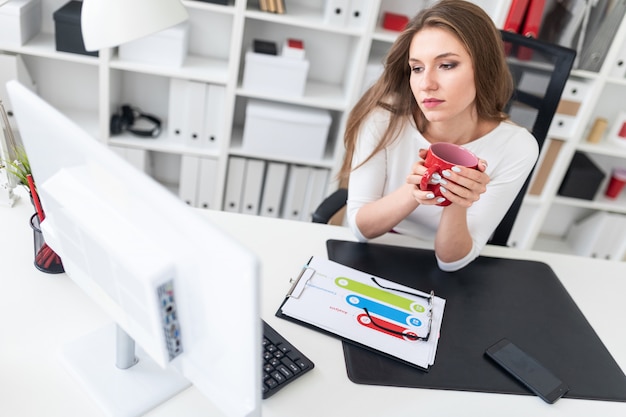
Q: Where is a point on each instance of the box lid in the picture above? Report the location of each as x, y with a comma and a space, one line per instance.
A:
17, 7
289, 113
177, 31
582, 162
283, 61
69, 13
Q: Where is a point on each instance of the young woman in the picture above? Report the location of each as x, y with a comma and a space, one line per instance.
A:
445, 80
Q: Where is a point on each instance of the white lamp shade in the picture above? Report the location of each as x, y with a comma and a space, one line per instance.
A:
109, 23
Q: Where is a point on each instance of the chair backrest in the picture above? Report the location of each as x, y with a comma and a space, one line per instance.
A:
540, 71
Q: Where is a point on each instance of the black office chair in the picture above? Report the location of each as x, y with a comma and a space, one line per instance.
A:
540, 71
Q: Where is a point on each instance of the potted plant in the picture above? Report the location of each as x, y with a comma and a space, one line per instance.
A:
12, 168
19, 167
15, 169
13, 158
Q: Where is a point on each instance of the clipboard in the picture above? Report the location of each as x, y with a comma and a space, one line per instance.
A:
369, 311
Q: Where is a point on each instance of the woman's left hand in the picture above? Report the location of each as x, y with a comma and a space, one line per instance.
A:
460, 185
464, 186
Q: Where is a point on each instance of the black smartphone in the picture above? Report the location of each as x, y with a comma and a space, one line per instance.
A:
527, 370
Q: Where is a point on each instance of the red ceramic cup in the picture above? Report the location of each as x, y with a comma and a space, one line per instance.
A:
616, 183
440, 157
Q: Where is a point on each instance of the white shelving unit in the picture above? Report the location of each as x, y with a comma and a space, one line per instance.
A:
548, 216
342, 57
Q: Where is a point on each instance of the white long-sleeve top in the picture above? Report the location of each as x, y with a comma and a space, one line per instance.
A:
510, 151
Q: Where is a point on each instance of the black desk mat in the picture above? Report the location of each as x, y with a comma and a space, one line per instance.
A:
491, 298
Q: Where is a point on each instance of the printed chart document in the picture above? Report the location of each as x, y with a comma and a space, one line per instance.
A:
371, 311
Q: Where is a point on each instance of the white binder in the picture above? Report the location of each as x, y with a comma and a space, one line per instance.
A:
576, 12
188, 183
295, 193
234, 184
316, 189
273, 187
215, 102
138, 158
336, 12
600, 235
207, 182
176, 125
618, 68
610, 243
593, 54
195, 115
252, 186
357, 13
583, 235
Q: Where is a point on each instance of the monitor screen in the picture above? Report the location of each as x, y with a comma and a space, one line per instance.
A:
178, 286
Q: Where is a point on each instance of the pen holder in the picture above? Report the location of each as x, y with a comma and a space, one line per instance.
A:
46, 260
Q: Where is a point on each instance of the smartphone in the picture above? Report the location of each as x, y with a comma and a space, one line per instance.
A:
527, 370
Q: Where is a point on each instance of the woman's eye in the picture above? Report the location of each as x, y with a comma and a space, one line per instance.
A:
448, 66
417, 69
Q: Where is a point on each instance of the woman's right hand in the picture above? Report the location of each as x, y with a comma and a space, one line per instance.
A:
415, 178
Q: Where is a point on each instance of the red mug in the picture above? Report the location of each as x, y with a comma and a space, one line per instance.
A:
616, 183
440, 157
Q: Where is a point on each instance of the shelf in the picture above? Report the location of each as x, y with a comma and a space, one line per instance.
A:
316, 94
555, 244
161, 144
211, 7
326, 163
303, 16
384, 35
603, 148
195, 67
237, 150
44, 45
589, 75
617, 205
617, 81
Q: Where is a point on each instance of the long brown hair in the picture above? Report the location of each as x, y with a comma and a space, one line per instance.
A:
392, 91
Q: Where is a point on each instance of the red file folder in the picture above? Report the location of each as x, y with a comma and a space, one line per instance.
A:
515, 17
532, 22
531, 25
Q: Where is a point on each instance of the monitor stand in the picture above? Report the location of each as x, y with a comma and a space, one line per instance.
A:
94, 359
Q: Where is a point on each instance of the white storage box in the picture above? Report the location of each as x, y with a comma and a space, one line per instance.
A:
167, 47
20, 20
275, 74
283, 130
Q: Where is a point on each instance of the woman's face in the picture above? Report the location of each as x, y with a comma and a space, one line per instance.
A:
442, 77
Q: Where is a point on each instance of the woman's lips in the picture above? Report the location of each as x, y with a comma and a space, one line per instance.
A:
430, 103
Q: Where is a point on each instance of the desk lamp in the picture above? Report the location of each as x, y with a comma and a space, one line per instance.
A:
109, 23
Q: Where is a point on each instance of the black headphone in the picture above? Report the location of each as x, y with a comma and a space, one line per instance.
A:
126, 117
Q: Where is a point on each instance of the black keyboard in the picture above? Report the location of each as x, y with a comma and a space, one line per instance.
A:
282, 362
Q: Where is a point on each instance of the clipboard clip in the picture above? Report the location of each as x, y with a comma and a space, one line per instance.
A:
299, 284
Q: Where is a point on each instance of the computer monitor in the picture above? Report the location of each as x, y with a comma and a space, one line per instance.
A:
185, 291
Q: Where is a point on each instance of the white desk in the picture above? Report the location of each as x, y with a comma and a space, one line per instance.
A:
41, 312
